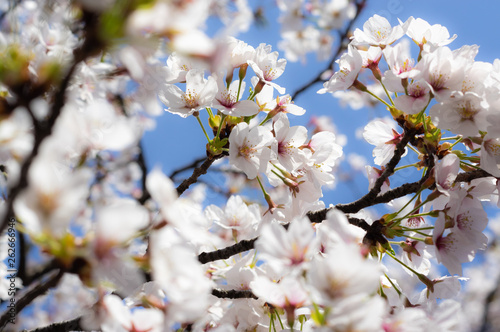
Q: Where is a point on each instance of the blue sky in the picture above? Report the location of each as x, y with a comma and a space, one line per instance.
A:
178, 141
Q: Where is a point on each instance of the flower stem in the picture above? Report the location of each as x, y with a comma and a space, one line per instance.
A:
394, 286
221, 124
470, 165
387, 92
400, 262
460, 138
415, 150
378, 98
405, 166
202, 127
210, 113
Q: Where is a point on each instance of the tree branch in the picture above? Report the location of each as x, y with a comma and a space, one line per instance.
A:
66, 326
233, 294
31, 295
194, 164
197, 172
403, 190
227, 252
367, 199
344, 37
141, 161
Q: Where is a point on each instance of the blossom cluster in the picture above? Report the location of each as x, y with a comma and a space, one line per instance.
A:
135, 252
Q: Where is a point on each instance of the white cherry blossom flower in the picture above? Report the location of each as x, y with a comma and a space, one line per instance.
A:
445, 173
120, 318
417, 98
249, 149
284, 104
286, 250
464, 116
229, 102
267, 67
178, 66
239, 52
350, 65
377, 31
289, 294
423, 33
322, 155
240, 218
490, 154
401, 65
342, 274
385, 138
55, 195
416, 256
443, 70
452, 249
181, 276
290, 139
200, 93
297, 43
373, 174
333, 14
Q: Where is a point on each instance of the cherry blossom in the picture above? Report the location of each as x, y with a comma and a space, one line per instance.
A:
377, 31
350, 65
423, 33
247, 236
285, 249
384, 137
490, 154
464, 116
200, 93
250, 149
228, 101
290, 139
267, 66
416, 100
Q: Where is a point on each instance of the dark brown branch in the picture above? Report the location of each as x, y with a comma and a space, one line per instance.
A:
51, 266
469, 176
141, 161
367, 199
243, 245
403, 190
233, 294
197, 172
194, 164
344, 39
31, 295
359, 223
66, 326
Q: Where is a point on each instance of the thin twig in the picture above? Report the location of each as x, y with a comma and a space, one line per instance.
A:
141, 161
